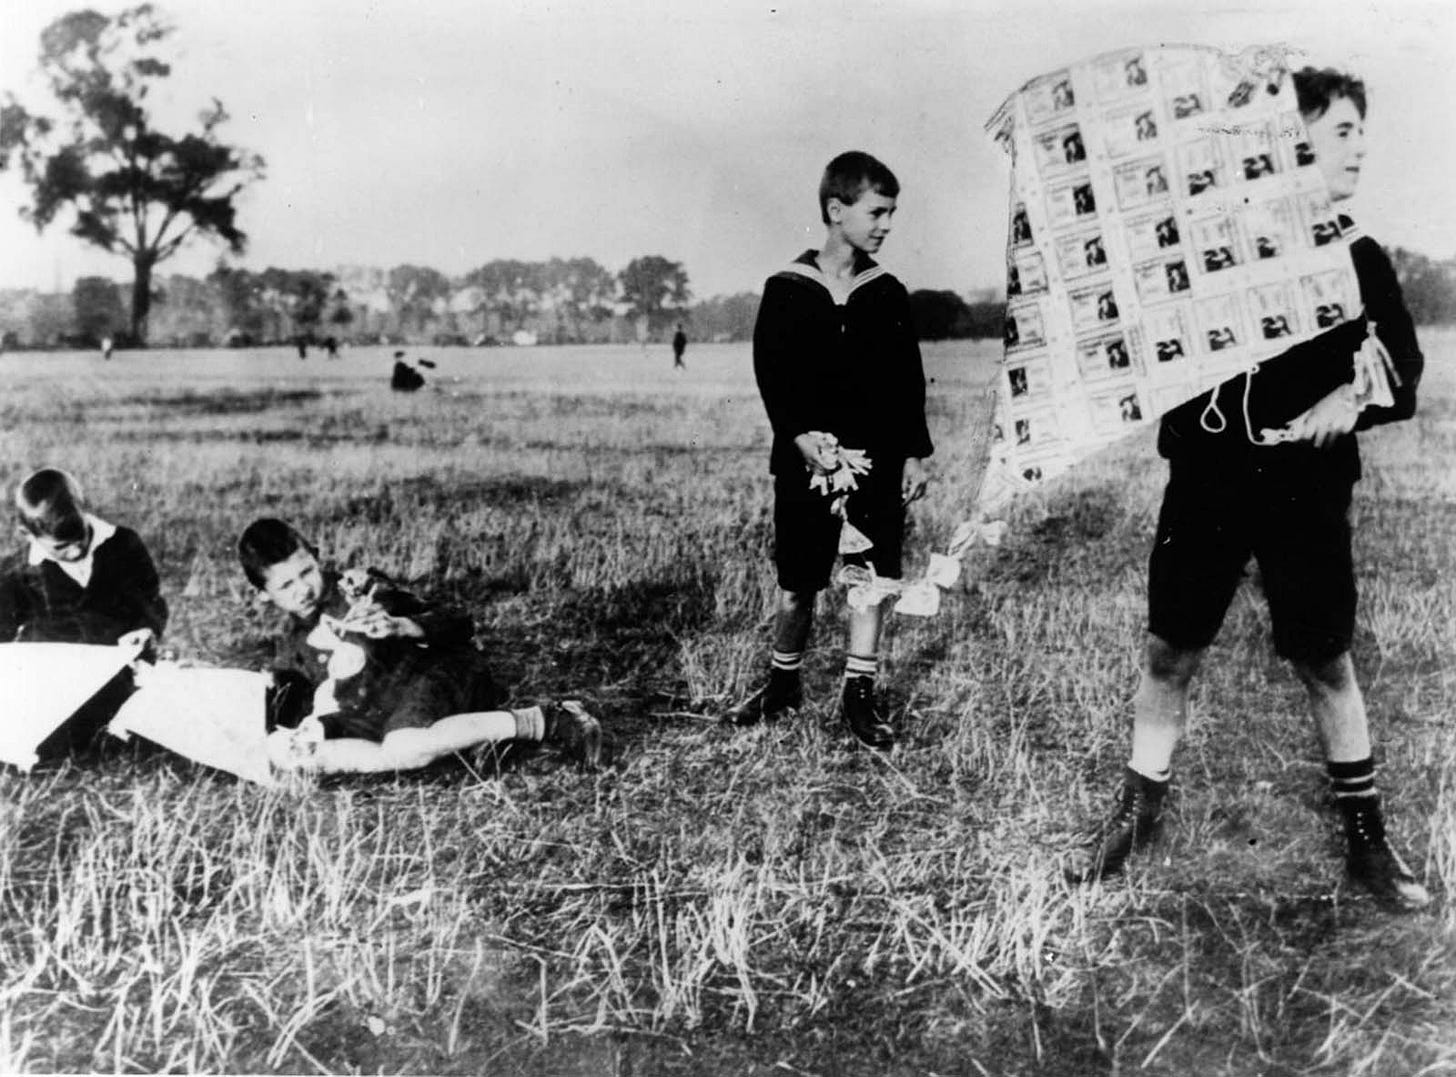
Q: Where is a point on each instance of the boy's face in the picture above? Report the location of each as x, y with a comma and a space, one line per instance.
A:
1338, 140
864, 223
69, 549
295, 585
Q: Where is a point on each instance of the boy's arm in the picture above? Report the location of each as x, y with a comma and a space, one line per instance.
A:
1385, 306
439, 626
916, 431
141, 606
15, 604
785, 397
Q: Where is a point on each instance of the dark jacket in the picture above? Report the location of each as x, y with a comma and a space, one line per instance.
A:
445, 664
851, 370
40, 603
1291, 383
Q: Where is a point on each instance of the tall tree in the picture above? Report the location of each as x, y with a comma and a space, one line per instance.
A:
97, 302
135, 191
655, 287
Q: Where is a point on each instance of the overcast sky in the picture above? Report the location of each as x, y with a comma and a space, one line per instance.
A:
452, 132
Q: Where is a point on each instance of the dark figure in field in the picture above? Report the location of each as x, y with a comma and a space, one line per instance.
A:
369, 678
679, 345
302, 344
80, 579
331, 345
1288, 505
836, 357
405, 378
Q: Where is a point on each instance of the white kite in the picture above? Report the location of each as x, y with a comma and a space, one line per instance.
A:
43, 684
212, 716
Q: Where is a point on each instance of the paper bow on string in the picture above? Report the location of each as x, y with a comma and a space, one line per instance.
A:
837, 482
866, 589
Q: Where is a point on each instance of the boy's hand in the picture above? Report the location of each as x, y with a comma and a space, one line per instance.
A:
138, 639
370, 620
1331, 418
815, 447
913, 480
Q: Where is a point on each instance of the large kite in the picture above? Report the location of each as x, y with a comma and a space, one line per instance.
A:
1168, 231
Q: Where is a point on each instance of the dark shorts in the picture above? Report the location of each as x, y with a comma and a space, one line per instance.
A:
414, 697
806, 532
1295, 524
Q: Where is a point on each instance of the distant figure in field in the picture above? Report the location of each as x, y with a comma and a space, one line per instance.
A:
368, 678
302, 343
837, 364
106, 347
679, 345
80, 579
405, 378
331, 345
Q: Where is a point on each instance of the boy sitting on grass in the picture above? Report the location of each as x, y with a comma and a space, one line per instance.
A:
837, 362
80, 579
369, 678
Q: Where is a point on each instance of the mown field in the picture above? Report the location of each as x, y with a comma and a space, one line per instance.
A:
712, 902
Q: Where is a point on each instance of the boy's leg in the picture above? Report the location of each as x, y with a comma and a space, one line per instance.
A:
413, 747
1198, 558
806, 537
783, 690
1339, 713
861, 664
1309, 580
877, 509
1160, 717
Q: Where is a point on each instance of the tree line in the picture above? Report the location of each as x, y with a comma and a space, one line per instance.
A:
561, 300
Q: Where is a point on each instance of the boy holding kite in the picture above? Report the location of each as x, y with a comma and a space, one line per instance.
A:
1287, 505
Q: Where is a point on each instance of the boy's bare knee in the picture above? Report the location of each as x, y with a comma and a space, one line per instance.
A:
1329, 675
408, 749
1167, 664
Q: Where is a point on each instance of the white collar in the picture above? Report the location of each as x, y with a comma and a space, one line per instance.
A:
100, 532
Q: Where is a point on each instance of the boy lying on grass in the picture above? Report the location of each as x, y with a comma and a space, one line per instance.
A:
368, 678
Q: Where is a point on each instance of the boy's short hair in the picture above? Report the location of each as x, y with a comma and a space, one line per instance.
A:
267, 542
1317, 87
49, 503
848, 175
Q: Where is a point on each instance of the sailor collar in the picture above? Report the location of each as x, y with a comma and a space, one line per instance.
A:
866, 270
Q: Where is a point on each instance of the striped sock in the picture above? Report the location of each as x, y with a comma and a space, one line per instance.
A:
787, 661
859, 665
530, 723
1353, 784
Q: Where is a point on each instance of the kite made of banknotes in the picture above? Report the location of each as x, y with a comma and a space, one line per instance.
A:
1168, 231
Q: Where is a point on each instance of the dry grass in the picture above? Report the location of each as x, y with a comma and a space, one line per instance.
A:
711, 903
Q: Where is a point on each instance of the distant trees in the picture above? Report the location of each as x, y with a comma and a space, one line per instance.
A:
98, 307
654, 288
1429, 286
944, 315
134, 190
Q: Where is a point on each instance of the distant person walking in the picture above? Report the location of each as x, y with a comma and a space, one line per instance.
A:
106, 347
302, 343
679, 345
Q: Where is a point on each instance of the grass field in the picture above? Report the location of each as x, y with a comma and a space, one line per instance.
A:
713, 903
